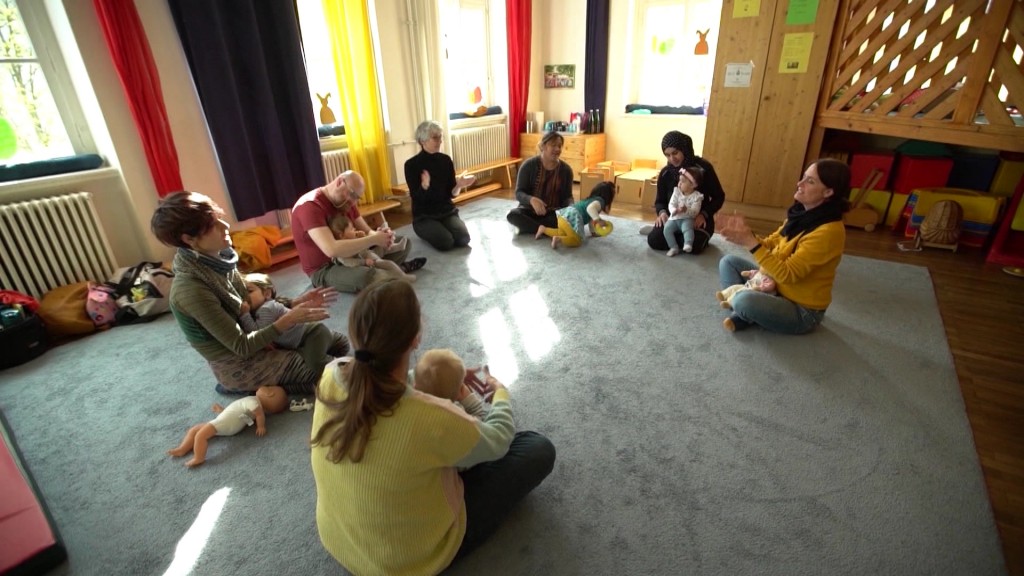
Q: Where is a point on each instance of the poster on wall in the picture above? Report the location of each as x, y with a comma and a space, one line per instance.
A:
559, 75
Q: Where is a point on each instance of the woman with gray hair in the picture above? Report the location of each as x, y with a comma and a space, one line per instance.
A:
432, 183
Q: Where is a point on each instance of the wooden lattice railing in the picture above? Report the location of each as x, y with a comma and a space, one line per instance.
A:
941, 70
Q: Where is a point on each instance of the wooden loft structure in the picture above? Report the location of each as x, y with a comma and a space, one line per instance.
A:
950, 72
937, 70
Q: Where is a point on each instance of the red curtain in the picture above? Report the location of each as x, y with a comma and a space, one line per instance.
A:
129, 48
518, 18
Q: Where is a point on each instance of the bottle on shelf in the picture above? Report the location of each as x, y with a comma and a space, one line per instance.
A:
596, 122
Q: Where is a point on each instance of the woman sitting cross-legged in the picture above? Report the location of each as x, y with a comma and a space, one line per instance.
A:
432, 183
207, 296
678, 149
802, 255
386, 457
544, 184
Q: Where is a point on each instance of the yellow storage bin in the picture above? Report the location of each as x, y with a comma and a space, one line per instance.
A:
1008, 175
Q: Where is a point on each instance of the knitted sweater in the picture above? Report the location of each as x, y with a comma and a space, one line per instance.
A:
804, 267
437, 199
526, 182
401, 509
208, 325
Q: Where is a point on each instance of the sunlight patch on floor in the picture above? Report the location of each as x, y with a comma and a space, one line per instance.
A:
493, 255
191, 545
496, 336
533, 321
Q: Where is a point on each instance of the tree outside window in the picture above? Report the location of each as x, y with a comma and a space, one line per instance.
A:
31, 127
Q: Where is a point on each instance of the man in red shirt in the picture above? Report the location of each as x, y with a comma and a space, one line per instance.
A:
318, 248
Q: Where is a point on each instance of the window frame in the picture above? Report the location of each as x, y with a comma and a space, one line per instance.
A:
39, 26
637, 43
489, 89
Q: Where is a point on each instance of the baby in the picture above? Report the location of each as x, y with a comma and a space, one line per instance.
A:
683, 208
232, 420
441, 373
343, 229
758, 280
261, 309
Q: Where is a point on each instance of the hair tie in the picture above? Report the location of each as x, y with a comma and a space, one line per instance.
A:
364, 356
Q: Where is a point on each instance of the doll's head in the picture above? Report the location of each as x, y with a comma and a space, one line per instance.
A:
260, 289
273, 399
691, 178
605, 192
342, 227
762, 282
440, 373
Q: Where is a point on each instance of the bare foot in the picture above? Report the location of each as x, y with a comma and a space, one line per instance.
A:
409, 278
179, 451
194, 462
540, 232
555, 240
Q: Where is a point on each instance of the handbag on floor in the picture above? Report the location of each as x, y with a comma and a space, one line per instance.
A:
22, 339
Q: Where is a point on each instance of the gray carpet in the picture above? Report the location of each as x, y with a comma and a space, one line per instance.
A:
682, 449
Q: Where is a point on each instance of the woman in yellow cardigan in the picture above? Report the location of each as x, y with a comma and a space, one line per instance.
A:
390, 498
802, 255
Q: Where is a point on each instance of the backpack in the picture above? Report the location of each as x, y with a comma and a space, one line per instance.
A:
142, 292
939, 229
942, 223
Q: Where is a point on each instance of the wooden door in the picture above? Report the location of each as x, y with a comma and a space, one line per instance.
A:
757, 135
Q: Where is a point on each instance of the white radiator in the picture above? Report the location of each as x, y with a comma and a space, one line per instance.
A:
335, 162
473, 146
52, 242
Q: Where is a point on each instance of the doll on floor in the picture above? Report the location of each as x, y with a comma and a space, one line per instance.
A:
232, 420
757, 280
343, 229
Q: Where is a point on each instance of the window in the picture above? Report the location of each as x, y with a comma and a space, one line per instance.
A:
38, 109
467, 46
316, 47
674, 51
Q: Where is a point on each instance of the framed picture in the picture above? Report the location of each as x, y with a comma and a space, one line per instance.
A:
559, 75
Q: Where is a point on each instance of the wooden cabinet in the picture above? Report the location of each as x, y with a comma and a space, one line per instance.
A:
580, 151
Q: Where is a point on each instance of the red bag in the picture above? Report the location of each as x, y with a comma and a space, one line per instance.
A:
10, 297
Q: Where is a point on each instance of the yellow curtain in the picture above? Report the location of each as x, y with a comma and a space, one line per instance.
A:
348, 23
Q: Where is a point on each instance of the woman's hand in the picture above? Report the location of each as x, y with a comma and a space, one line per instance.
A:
301, 314
661, 219
538, 205
699, 221
424, 180
385, 235
317, 297
464, 180
737, 231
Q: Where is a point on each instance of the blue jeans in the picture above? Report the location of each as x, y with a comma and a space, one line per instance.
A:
684, 225
773, 313
492, 489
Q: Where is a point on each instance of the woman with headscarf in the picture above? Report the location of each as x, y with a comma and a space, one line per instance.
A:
544, 185
678, 150
802, 255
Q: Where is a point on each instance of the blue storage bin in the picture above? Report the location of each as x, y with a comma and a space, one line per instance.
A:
973, 171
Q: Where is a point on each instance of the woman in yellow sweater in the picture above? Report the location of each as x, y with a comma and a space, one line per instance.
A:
390, 498
802, 255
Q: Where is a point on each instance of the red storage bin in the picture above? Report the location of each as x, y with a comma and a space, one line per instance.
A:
863, 163
920, 172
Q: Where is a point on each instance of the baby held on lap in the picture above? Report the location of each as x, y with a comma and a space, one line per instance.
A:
441, 373
343, 229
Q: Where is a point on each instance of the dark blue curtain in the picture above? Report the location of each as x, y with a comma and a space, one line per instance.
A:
247, 65
595, 85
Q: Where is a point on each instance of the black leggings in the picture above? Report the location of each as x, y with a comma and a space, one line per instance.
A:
527, 221
701, 238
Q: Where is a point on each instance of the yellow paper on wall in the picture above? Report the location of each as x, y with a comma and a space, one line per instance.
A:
796, 51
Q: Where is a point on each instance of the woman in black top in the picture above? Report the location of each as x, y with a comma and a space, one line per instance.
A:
432, 183
678, 149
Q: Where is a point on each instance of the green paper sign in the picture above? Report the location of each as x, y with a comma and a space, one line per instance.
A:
8, 141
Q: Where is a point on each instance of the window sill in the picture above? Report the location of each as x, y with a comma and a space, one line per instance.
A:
333, 143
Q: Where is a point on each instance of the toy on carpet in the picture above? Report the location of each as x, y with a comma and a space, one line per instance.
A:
603, 227
758, 280
232, 420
